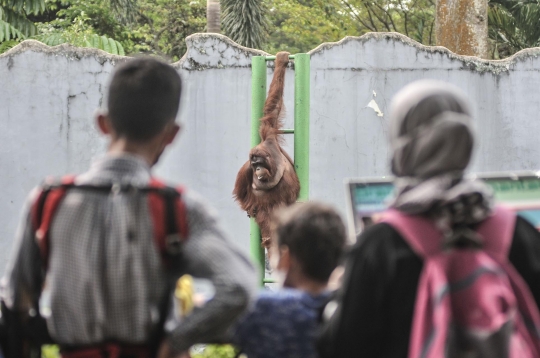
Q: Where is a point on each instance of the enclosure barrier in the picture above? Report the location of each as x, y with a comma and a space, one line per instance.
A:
300, 131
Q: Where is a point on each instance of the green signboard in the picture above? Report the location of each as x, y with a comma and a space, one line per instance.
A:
519, 192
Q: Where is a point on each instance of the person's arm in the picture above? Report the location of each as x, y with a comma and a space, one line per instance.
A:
245, 329
246, 332
210, 255
21, 285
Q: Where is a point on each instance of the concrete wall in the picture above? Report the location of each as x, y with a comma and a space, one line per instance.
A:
48, 97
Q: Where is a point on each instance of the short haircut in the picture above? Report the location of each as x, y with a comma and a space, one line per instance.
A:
315, 235
144, 96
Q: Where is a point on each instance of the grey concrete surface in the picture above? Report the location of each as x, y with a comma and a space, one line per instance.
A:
48, 97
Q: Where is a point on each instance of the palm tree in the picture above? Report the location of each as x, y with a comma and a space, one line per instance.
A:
513, 25
244, 21
213, 16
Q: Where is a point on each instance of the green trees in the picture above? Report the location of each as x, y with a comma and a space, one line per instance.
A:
301, 25
23, 19
160, 26
14, 24
245, 21
116, 26
164, 24
513, 26
413, 18
84, 23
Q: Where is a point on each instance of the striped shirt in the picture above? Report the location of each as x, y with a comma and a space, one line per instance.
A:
105, 279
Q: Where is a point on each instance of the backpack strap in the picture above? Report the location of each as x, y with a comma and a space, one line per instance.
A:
499, 228
168, 210
419, 232
43, 211
169, 216
426, 240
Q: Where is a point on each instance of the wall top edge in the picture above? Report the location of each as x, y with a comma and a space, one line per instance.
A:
65, 49
397, 37
210, 50
191, 39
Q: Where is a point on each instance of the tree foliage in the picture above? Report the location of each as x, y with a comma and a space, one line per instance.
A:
160, 26
14, 23
245, 22
51, 22
157, 26
126, 11
413, 18
301, 25
80, 23
166, 23
513, 25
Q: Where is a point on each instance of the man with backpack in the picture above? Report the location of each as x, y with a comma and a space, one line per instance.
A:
97, 255
446, 273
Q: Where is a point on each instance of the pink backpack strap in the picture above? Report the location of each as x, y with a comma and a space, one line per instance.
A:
426, 240
499, 228
419, 232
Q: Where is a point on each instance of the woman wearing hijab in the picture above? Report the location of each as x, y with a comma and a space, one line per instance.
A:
432, 142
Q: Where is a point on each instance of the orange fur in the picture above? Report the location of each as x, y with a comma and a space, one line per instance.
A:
268, 179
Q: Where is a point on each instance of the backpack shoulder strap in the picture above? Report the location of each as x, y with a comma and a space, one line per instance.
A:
169, 216
419, 232
43, 210
426, 240
498, 232
167, 208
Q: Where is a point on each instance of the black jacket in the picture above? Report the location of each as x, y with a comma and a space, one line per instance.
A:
377, 300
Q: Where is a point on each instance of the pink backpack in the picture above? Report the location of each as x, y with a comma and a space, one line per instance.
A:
470, 303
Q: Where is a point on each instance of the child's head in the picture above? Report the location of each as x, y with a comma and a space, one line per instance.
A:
143, 101
309, 239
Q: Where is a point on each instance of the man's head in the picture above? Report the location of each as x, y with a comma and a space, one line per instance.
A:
143, 101
310, 238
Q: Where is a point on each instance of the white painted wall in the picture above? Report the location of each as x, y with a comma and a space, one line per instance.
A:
48, 97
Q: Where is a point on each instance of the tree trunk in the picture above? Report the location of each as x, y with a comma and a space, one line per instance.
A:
462, 26
213, 16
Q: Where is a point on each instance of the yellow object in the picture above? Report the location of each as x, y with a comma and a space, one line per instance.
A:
184, 294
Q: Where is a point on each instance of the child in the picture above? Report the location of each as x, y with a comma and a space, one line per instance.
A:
105, 275
308, 242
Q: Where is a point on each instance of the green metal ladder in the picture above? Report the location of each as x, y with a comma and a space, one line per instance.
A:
300, 131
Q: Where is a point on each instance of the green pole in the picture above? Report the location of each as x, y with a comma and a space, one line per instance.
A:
258, 97
301, 122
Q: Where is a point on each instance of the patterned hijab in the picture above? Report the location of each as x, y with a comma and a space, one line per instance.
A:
432, 143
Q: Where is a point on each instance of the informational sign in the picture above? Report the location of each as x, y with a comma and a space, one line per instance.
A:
521, 194
370, 196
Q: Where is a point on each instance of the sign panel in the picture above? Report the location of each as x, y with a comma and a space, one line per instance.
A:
370, 196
